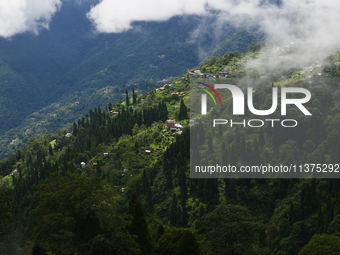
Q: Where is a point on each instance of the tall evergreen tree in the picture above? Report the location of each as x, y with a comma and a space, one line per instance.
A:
160, 230
179, 216
262, 142
188, 244
319, 228
75, 129
139, 226
183, 112
134, 96
127, 99
173, 211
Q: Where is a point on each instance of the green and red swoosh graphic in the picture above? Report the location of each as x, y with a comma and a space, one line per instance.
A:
213, 90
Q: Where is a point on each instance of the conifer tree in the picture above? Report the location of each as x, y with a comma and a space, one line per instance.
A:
127, 99
243, 148
330, 212
173, 211
167, 173
75, 129
188, 244
200, 188
183, 112
145, 181
262, 142
201, 134
50, 150
149, 202
210, 145
139, 226
184, 216
179, 216
134, 96
182, 182
193, 188
319, 228
160, 231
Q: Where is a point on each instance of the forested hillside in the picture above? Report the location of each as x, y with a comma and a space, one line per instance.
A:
117, 181
63, 113
69, 63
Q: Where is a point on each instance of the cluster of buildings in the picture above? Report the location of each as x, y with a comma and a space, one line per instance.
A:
165, 85
284, 49
114, 112
172, 126
316, 68
196, 74
224, 73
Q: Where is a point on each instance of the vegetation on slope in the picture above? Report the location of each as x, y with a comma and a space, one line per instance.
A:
124, 188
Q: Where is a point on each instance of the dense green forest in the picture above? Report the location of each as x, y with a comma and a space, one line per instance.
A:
61, 114
117, 181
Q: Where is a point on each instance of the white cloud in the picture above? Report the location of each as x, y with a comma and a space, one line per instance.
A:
312, 24
114, 16
18, 16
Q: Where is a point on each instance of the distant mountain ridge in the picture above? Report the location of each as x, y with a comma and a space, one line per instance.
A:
69, 62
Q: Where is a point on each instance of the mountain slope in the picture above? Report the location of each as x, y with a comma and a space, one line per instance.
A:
133, 151
69, 58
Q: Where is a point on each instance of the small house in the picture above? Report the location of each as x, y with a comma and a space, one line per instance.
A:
170, 124
191, 72
142, 100
106, 154
15, 172
82, 164
161, 89
95, 164
173, 129
114, 113
183, 79
147, 152
122, 190
202, 75
68, 134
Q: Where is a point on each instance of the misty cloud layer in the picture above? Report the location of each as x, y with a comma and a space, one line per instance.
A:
19, 16
313, 25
